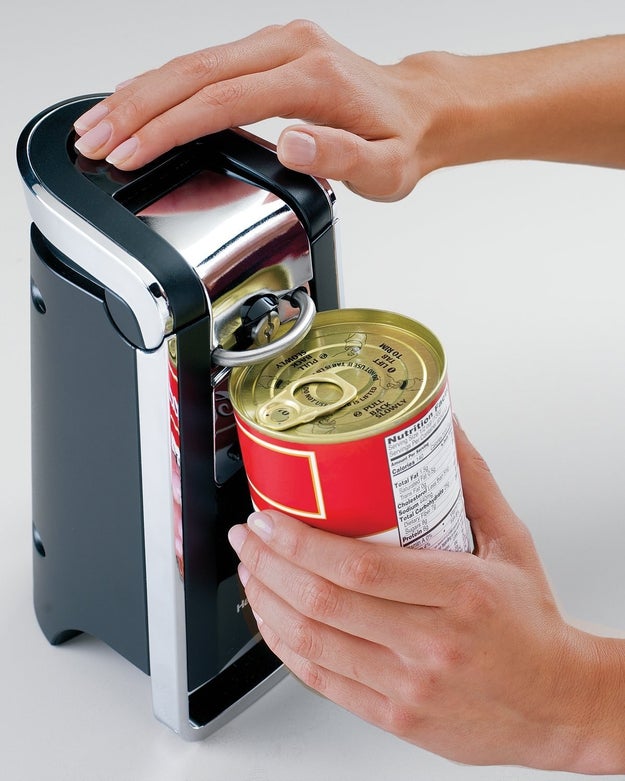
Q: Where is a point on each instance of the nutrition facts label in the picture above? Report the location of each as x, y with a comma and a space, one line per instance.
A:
426, 482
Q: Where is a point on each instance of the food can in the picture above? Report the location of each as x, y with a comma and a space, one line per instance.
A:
351, 430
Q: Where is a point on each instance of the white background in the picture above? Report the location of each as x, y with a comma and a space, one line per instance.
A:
516, 266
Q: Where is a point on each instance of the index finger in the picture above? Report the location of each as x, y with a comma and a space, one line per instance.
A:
154, 95
408, 575
161, 88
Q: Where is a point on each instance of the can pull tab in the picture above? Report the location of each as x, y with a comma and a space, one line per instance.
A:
285, 410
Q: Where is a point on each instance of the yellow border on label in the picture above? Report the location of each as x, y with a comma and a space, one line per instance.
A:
314, 477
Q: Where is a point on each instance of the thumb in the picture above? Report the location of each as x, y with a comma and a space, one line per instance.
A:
496, 528
375, 169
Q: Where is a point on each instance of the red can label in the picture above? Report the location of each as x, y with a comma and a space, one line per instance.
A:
406, 479
356, 436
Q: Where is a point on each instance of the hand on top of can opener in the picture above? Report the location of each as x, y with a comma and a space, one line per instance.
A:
465, 655
364, 126
379, 128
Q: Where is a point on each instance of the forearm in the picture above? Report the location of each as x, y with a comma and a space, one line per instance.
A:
562, 103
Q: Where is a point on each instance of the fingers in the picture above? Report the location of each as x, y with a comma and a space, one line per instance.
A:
199, 93
224, 104
326, 658
377, 169
496, 528
137, 101
349, 655
361, 127
321, 573
374, 678
356, 650
316, 599
356, 697
142, 128
483, 499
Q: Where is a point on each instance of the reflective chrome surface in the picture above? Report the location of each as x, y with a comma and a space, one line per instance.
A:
157, 389
104, 260
240, 239
165, 588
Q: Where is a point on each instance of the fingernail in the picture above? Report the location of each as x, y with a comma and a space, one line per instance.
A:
123, 152
90, 118
297, 148
456, 421
262, 525
259, 620
94, 138
244, 574
237, 536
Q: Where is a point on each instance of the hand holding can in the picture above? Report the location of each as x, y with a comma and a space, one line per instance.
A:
352, 431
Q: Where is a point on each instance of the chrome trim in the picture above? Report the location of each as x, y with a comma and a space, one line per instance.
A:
330, 196
338, 242
105, 261
194, 732
239, 239
259, 354
164, 585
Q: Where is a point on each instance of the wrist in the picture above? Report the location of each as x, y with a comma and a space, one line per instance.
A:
562, 103
468, 109
436, 108
599, 746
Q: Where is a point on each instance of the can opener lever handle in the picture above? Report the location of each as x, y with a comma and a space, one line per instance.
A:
285, 410
300, 328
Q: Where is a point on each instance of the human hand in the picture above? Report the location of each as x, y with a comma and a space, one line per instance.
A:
367, 126
378, 128
464, 655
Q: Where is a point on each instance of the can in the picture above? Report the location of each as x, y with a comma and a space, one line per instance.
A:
351, 431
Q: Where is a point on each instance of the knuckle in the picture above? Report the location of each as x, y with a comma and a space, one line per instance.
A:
398, 719
329, 68
311, 675
197, 66
420, 683
223, 94
396, 169
419, 690
424, 683
162, 127
396, 179
525, 539
320, 599
475, 596
446, 657
336, 68
362, 570
304, 641
351, 162
307, 33
134, 109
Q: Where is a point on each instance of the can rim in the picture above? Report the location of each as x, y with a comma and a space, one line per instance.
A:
361, 317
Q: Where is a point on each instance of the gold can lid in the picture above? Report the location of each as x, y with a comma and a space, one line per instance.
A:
356, 373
